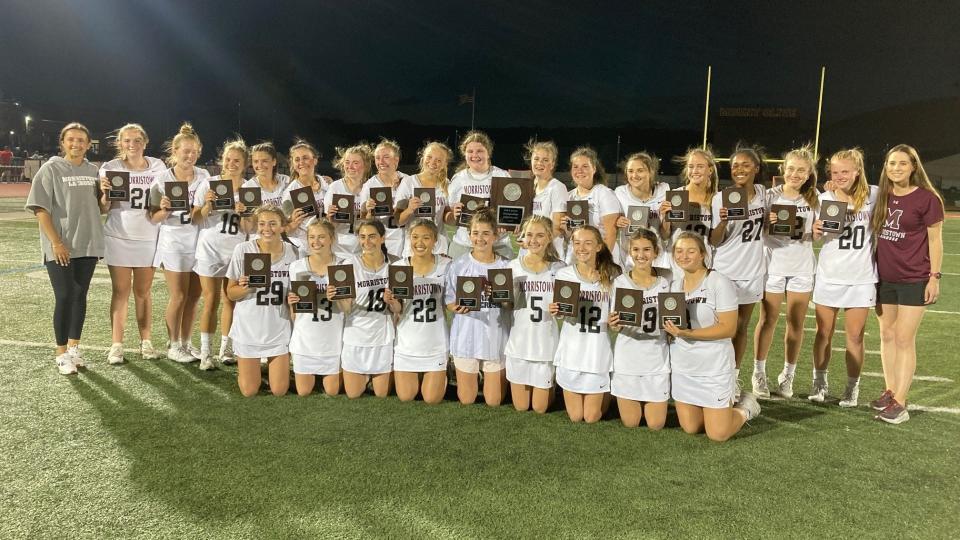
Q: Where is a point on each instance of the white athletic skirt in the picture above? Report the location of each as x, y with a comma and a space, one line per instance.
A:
582, 382
653, 388
707, 391
208, 268
129, 253
535, 374
248, 350
367, 360
305, 364
419, 364
175, 262
845, 296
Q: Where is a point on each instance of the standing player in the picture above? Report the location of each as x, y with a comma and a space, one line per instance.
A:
420, 355
473, 178
63, 196
550, 195
368, 331
534, 334
220, 232
477, 338
386, 157
434, 157
317, 337
641, 359
790, 267
589, 177
846, 276
700, 179
131, 240
584, 357
739, 247
177, 242
263, 159
354, 163
701, 356
261, 326
909, 218
303, 164
642, 189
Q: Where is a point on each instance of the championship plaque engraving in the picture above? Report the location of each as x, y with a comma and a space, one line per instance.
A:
639, 217
119, 186
252, 198
222, 194
178, 193
629, 306
428, 197
679, 200
501, 284
304, 199
735, 201
567, 295
382, 201
512, 199
468, 292
256, 266
343, 205
400, 281
470, 205
786, 219
578, 212
307, 291
672, 307
834, 215
341, 279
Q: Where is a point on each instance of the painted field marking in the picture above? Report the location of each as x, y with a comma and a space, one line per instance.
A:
928, 378
30, 269
37, 344
924, 408
841, 349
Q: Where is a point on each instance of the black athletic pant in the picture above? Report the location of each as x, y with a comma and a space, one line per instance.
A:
70, 284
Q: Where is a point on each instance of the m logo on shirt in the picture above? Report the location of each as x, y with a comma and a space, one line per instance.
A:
893, 219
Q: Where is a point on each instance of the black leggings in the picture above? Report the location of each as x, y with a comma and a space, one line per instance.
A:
70, 284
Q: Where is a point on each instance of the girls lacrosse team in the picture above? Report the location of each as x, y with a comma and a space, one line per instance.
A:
881, 248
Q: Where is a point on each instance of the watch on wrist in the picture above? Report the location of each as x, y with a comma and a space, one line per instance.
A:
937, 275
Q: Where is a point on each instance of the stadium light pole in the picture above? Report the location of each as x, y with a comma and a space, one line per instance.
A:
816, 136
706, 108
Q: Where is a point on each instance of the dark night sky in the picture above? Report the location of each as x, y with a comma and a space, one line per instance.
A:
534, 63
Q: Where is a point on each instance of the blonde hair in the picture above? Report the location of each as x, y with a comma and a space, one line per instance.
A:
474, 137
186, 133
388, 144
327, 226
444, 180
809, 188
363, 150
707, 154
599, 176
300, 144
861, 189
697, 239
235, 145
918, 178
549, 147
550, 253
605, 266
117, 143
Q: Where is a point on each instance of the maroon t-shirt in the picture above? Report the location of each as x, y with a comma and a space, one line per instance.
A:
903, 253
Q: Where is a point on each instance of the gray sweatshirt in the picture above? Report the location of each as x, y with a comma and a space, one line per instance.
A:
69, 193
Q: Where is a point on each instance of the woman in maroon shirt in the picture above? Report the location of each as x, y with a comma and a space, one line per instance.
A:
909, 222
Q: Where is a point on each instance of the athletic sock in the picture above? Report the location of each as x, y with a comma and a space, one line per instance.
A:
205, 341
853, 381
789, 369
760, 366
736, 374
820, 376
223, 342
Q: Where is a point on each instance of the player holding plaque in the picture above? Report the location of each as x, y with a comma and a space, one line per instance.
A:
378, 197
303, 199
256, 266
401, 281
424, 195
263, 160
303, 158
382, 200
702, 357
566, 294
178, 193
251, 198
343, 208
354, 163
641, 365
425, 201
470, 205
342, 282
119, 186
672, 308
735, 201
512, 200
628, 304
578, 213
501, 285
846, 275
790, 266
477, 337
584, 356
699, 175
833, 216
261, 325
679, 211
603, 207
306, 292
223, 194
317, 337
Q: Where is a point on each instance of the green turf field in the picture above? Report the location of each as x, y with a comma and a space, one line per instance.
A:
154, 449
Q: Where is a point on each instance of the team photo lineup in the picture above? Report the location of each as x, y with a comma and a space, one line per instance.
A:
510, 284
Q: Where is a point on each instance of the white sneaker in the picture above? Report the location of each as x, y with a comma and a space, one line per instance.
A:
193, 351
65, 364
749, 405
819, 392
207, 362
177, 354
147, 352
785, 385
115, 354
850, 396
736, 391
760, 388
75, 357
226, 354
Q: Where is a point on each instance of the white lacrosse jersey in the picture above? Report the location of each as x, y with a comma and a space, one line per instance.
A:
220, 232
320, 333
534, 334
262, 318
715, 294
642, 350
129, 219
422, 329
584, 343
466, 182
300, 234
742, 254
370, 322
178, 233
847, 258
395, 233
627, 199
347, 243
480, 334
791, 255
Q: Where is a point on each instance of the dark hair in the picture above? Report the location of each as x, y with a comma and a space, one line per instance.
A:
381, 230
646, 234
266, 146
756, 155
600, 175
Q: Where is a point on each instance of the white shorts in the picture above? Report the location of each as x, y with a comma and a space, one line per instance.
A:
474, 365
174, 262
419, 364
535, 374
845, 296
208, 268
707, 391
250, 350
652, 388
749, 291
305, 364
211, 262
129, 253
781, 284
582, 382
367, 360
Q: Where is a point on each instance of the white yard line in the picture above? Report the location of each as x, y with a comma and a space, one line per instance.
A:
37, 344
924, 408
929, 378
841, 349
